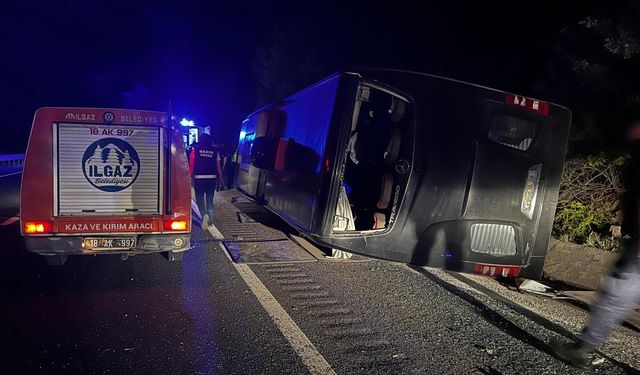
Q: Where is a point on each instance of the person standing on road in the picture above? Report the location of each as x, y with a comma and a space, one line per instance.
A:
229, 167
206, 169
620, 291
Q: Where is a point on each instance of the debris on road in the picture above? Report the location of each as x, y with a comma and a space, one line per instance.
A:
490, 351
586, 298
598, 361
532, 286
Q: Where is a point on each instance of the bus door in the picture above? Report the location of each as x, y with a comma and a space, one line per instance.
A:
377, 162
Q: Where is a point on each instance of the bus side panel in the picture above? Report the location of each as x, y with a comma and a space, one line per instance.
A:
303, 123
36, 193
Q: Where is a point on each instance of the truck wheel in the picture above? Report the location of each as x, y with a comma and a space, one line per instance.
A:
55, 260
173, 257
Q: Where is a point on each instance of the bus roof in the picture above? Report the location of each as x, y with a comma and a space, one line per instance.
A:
371, 73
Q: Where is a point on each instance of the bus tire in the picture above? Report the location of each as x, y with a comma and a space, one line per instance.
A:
56, 260
173, 256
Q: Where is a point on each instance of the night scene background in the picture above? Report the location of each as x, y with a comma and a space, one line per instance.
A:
217, 61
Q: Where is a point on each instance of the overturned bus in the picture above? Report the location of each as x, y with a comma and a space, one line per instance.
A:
413, 168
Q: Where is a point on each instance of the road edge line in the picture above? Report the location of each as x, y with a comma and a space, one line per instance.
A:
312, 359
215, 233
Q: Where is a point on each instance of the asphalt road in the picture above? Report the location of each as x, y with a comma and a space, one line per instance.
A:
9, 193
146, 315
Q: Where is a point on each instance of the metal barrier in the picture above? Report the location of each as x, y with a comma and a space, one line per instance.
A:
11, 160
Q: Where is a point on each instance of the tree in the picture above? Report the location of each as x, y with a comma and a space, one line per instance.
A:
283, 66
595, 71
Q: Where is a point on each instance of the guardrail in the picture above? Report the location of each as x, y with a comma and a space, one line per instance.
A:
11, 160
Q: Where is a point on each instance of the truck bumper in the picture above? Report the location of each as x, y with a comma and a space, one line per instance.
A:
146, 243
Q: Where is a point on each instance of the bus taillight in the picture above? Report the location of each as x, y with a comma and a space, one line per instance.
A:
37, 227
528, 103
497, 271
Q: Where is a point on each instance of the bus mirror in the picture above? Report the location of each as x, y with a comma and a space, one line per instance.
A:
263, 152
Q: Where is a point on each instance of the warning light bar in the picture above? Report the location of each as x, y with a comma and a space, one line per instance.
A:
528, 103
175, 225
37, 227
185, 122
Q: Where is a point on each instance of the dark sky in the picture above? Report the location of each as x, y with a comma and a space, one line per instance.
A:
198, 55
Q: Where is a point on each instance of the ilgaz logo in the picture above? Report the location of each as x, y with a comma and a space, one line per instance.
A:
110, 164
80, 116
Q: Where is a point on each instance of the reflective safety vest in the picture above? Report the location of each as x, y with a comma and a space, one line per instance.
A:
204, 161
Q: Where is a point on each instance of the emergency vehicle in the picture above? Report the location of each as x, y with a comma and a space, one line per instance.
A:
104, 181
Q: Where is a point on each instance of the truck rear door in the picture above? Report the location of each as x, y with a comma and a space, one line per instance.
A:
107, 170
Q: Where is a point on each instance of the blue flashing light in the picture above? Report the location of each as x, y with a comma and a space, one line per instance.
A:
185, 122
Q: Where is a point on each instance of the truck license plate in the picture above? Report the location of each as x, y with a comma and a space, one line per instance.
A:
99, 243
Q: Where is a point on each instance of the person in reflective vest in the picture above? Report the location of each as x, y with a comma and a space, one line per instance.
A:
206, 169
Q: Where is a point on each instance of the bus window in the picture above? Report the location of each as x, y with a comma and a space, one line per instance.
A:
512, 131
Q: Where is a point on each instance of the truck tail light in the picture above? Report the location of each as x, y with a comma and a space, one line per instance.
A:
175, 225
37, 227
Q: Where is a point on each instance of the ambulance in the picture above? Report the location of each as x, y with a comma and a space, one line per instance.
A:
105, 181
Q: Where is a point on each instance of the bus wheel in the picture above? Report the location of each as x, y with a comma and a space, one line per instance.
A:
173, 257
55, 260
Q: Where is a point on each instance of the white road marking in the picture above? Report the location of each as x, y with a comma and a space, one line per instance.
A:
215, 232
224, 250
315, 362
10, 220
10, 174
